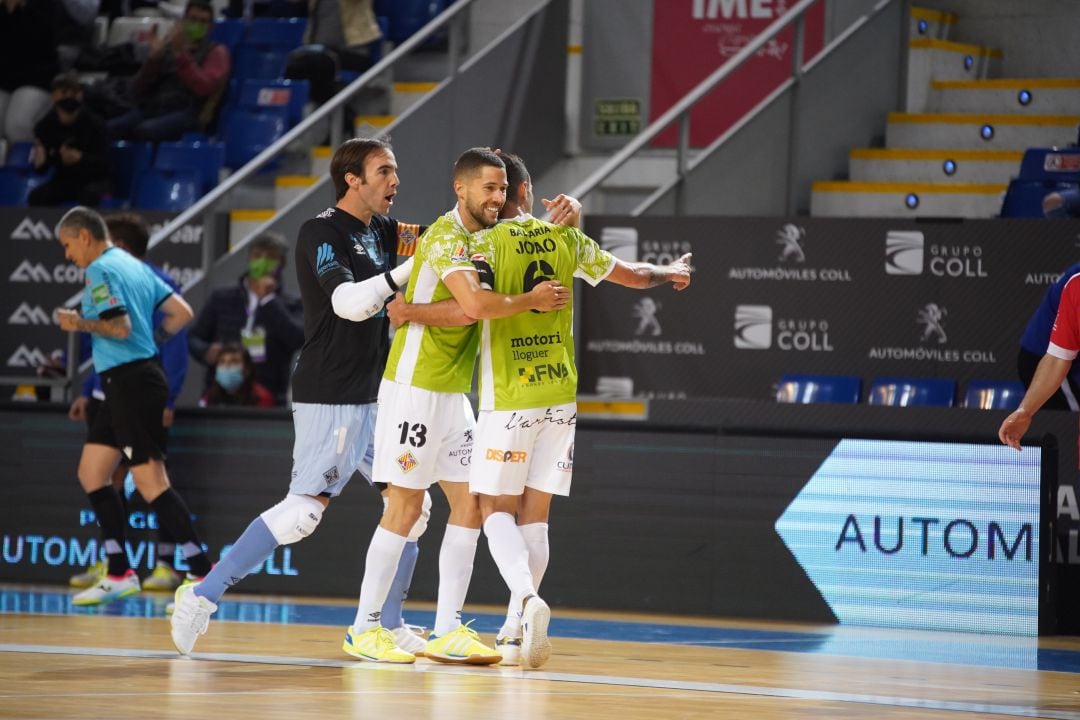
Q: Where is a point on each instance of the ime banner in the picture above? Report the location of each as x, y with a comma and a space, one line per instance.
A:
693, 38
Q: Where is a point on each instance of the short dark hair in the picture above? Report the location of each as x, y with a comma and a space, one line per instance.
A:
199, 5
131, 231
475, 158
67, 81
271, 243
350, 158
81, 217
516, 173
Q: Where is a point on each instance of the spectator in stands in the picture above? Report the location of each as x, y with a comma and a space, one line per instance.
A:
71, 141
234, 381
259, 314
347, 27
178, 88
28, 63
1062, 203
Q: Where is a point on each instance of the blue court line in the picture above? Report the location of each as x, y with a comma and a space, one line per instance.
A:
948, 648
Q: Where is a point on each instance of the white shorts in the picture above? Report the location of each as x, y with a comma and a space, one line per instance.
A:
422, 437
516, 449
332, 442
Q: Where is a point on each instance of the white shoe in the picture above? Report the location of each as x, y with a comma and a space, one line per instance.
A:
190, 618
510, 649
409, 641
535, 646
107, 589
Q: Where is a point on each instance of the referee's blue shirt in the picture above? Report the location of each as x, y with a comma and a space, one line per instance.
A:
117, 283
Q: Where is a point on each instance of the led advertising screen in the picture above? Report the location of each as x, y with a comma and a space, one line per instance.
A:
932, 535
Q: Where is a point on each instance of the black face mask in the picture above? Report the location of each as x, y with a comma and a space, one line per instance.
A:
69, 105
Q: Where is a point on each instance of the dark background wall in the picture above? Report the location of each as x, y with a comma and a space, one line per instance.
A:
676, 514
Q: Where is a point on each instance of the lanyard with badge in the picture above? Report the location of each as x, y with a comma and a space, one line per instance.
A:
253, 337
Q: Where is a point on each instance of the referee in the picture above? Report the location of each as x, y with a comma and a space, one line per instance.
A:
118, 304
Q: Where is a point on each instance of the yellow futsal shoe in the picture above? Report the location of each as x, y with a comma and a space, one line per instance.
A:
375, 645
460, 646
163, 579
88, 577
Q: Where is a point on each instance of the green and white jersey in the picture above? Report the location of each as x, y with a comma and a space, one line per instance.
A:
440, 359
527, 360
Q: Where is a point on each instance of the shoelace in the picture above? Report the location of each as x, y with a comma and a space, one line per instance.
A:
468, 630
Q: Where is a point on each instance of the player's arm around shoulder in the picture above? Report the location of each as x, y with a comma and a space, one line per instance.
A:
644, 275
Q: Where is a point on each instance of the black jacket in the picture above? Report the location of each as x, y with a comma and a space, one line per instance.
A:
223, 318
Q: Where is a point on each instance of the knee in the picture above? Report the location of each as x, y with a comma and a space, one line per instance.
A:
403, 512
420, 526
294, 518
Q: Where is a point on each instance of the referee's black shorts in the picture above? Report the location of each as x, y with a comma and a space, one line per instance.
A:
130, 417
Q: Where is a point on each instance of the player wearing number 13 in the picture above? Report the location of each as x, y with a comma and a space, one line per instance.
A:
423, 433
528, 396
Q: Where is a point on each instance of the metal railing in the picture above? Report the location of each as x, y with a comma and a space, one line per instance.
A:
334, 109
453, 17
680, 112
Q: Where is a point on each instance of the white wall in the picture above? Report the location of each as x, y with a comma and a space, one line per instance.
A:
1038, 37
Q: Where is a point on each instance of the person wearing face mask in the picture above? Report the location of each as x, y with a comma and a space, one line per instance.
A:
234, 381
259, 314
71, 141
178, 87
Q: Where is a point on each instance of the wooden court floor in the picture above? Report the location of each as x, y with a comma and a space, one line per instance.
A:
278, 659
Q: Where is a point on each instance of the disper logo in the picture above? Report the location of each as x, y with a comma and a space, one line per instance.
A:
30, 229
929, 318
753, 327
38, 273
904, 252
645, 311
27, 314
25, 357
505, 456
790, 239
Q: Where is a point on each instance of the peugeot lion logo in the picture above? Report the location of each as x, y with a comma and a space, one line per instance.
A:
790, 238
904, 252
645, 311
930, 318
753, 327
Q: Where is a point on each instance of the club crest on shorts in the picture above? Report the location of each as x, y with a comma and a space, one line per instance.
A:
406, 461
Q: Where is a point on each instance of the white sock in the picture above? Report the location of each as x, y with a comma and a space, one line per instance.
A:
455, 571
510, 553
536, 540
383, 555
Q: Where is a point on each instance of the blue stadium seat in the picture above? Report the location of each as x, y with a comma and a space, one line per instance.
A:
205, 158
129, 159
1051, 165
808, 389
256, 62
287, 96
16, 184
909, 392
993, 394
228, 32
18, 155
166, 189
279, 33
248, 133
405, 17
1024, 198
